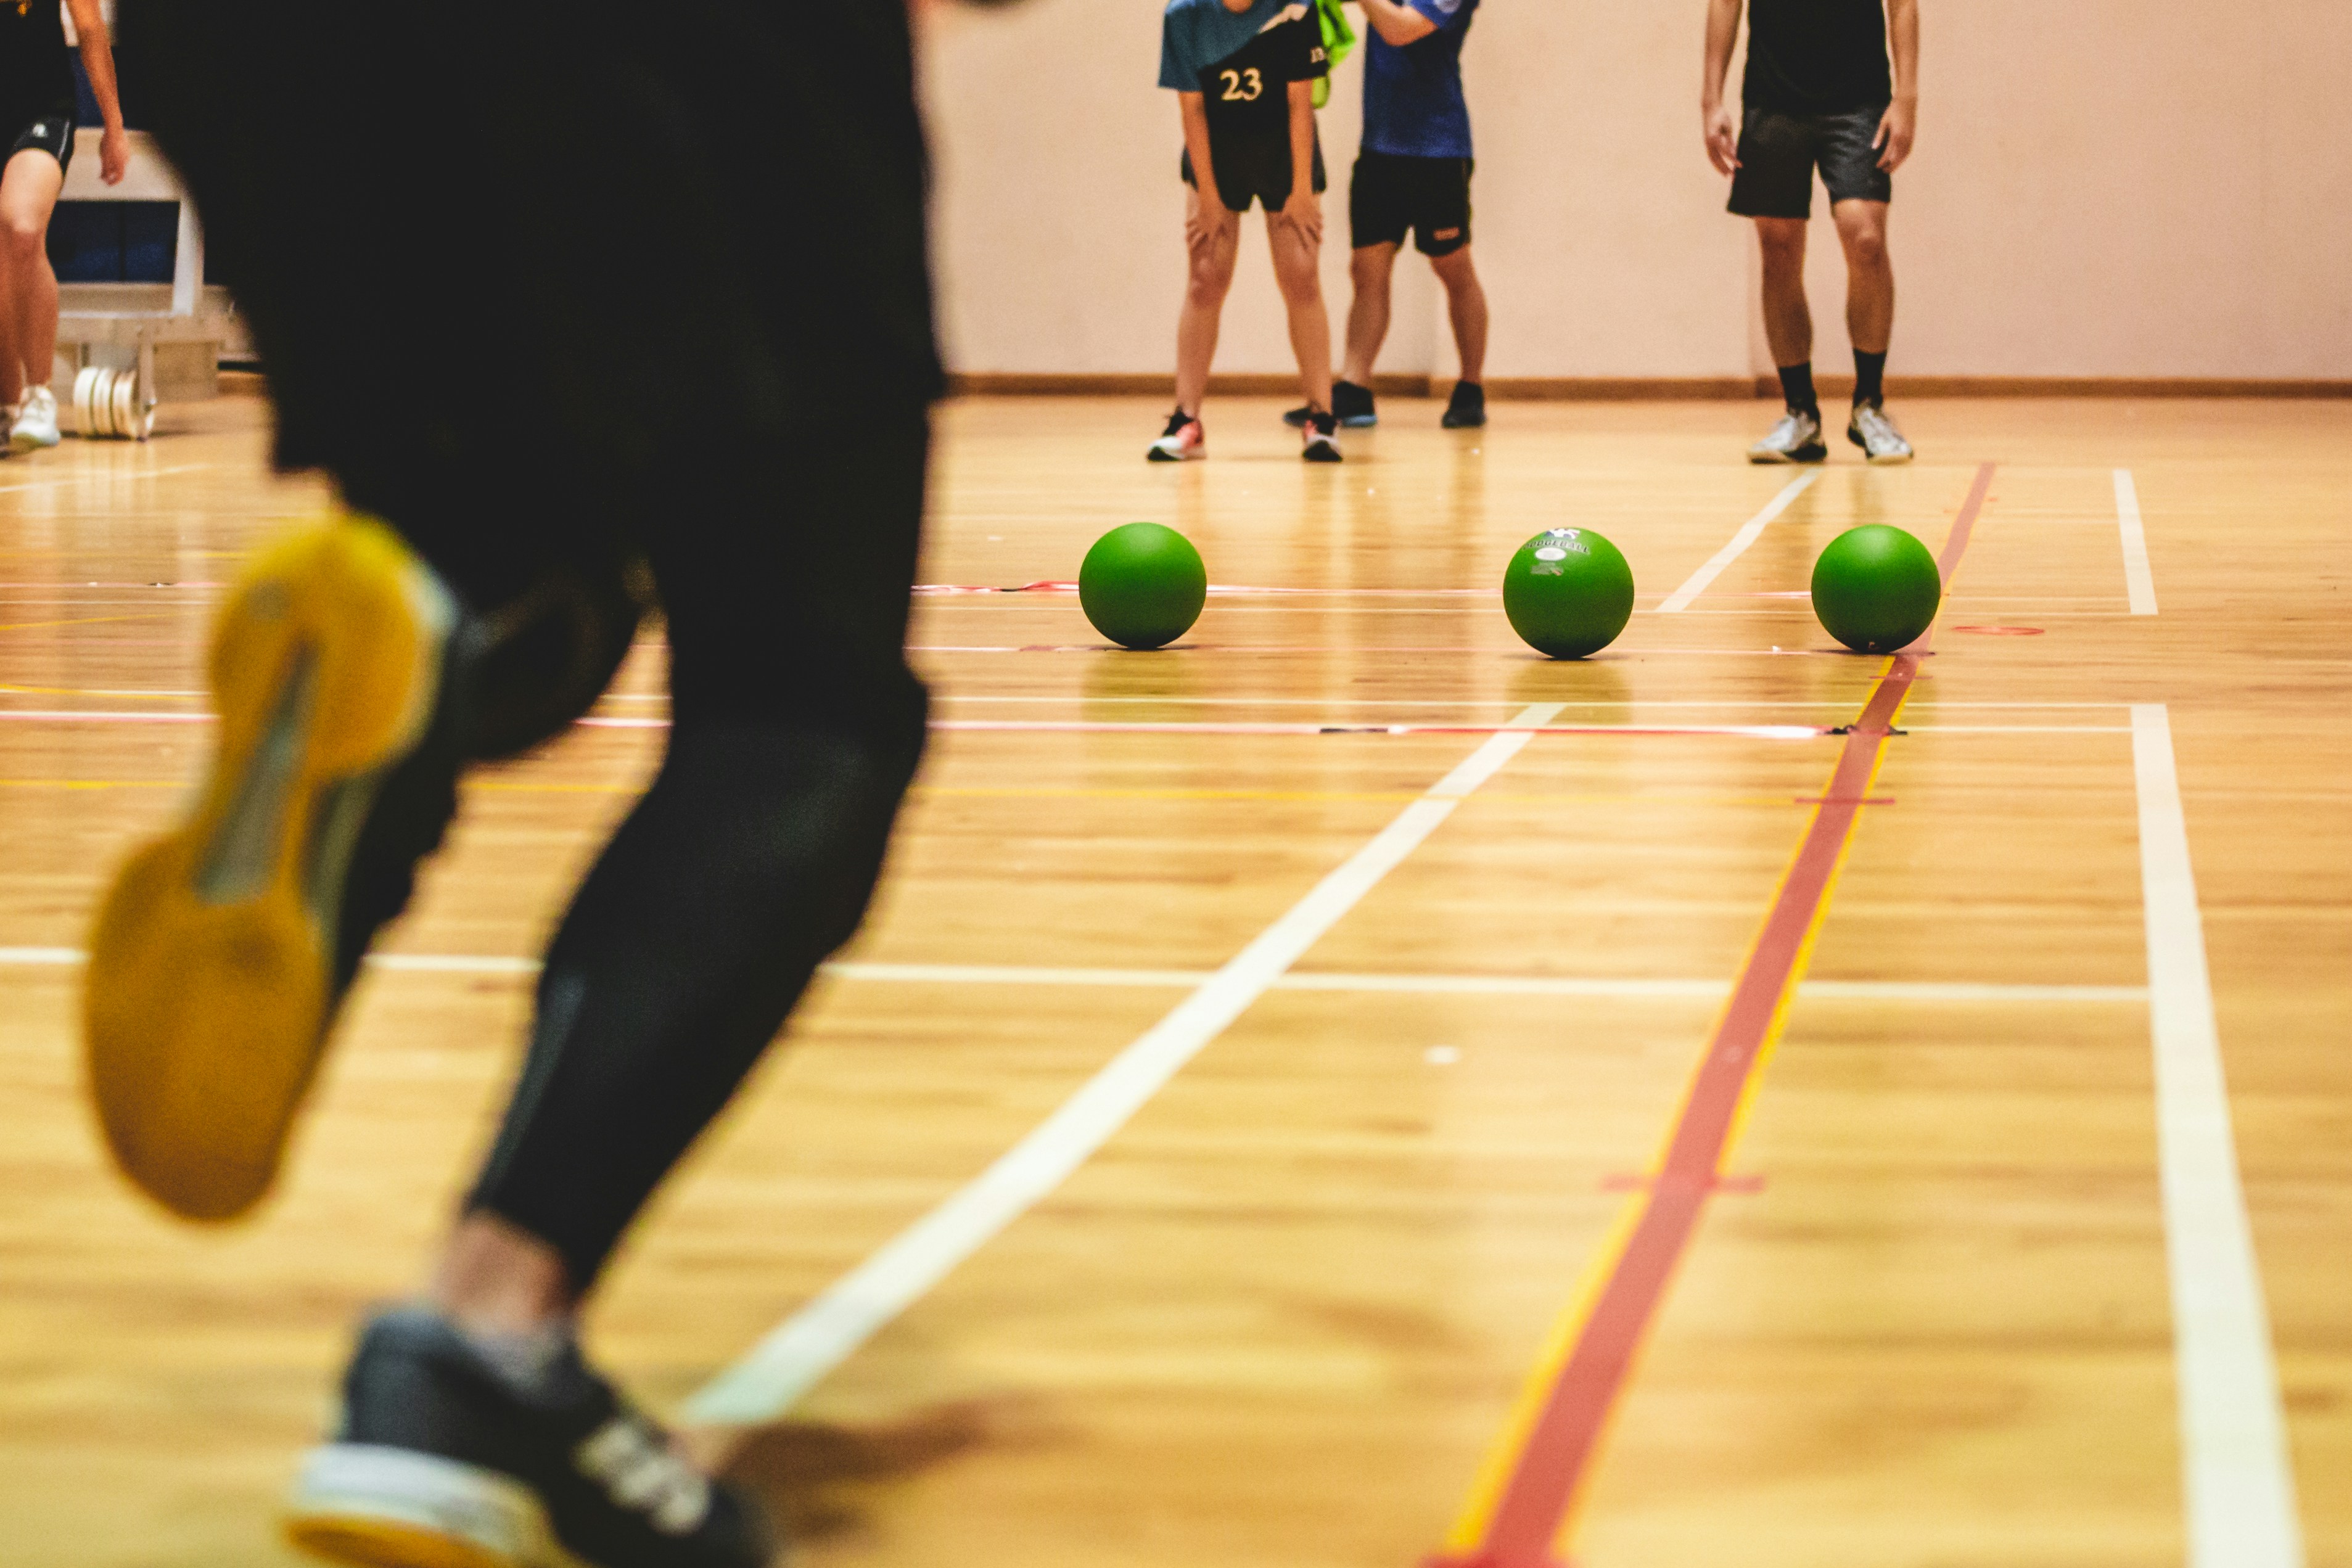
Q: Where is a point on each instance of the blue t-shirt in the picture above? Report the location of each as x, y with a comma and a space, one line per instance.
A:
1412, 96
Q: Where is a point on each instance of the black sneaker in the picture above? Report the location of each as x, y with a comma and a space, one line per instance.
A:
226, 945
1183, 441
1351, 402
444, 1460
1322, 438
1467, 410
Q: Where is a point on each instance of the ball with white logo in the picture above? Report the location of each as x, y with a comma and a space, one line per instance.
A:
1568, 592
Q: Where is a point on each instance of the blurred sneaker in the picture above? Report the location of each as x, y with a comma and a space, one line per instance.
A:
1322, 442
1796, 438
225, 948
1351, 402
1875, 433
1183, 441
35, 425
1467, 408
446, 1458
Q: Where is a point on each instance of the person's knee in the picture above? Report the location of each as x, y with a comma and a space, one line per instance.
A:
1782, 241
1865, 245
22, 234
1369, 267
1455, 270
1211, 278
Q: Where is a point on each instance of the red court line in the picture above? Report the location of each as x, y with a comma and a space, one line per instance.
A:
1556, 1455
1956, 543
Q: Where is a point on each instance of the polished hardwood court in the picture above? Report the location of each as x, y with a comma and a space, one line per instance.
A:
1298, 1311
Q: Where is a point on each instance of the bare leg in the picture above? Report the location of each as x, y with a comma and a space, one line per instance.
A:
1466, 303
496, 1279
29, 289
1209, 277
1368, 316
1294, 272
1869, 274
1787, 321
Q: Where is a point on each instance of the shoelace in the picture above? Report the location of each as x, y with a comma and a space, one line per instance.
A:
638, 1468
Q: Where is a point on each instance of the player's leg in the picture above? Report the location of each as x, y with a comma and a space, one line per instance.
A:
1212, 237
796, 727
1870, 282
28, 292
1789, 332
1859, 195
1298, 275
1774, 186
1442, 225
1371, 271
1377, 224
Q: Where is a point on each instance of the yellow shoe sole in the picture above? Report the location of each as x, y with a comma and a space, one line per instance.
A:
392, 1507
210, 986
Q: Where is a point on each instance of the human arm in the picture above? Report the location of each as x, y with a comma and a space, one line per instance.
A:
1398, 25
1304, 208
1209, 214
1902, 121
1715, 115
98, 60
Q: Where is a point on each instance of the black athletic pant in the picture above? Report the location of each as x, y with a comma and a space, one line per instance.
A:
558, 287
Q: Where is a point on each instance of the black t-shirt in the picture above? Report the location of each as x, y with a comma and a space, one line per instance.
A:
1816, 57
35, 79
1246, 88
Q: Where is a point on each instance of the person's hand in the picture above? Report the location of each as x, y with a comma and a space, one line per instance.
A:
1722, 138
113, 154
1304, 212
1895, 133
1206, 222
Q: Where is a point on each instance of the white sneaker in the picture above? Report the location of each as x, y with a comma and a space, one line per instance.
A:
35, 425
1875, 433
1796, 438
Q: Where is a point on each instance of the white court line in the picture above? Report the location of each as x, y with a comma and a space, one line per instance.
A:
2137, 576
1749, 532
101, 477
1927, 991
2236, 1472
827, 1331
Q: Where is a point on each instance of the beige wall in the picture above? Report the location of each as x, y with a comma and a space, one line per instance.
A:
2127, 188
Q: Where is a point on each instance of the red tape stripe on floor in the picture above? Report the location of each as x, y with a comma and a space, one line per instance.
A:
1543, 1481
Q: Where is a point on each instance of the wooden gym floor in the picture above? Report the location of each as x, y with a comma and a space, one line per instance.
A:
1463, 1192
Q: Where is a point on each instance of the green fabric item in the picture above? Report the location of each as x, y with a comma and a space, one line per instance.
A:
1338, 43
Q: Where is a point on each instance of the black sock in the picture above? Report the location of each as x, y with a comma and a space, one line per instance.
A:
1869, 379
1797, 390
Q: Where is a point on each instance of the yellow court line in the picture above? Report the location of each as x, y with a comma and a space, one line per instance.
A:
94, 691
88, 620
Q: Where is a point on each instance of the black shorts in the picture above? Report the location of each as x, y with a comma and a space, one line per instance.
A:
1254, 168
1429, 197
50, 128
1778, 154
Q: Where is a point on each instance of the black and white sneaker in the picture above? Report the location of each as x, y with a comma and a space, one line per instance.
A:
1871, 430
1181, 441
445, 1459
1322, 438
1467, 410
1795, 438
1352, 403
